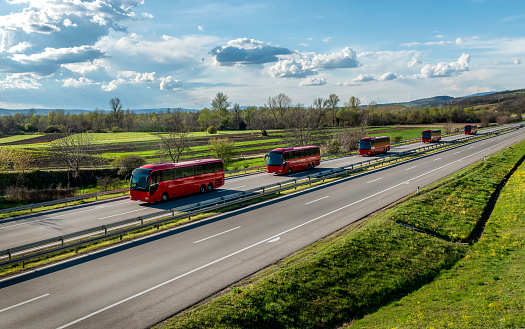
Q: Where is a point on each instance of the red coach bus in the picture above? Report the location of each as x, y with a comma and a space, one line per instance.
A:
374, 145
471, 129
152, 183
431, 135
288, 159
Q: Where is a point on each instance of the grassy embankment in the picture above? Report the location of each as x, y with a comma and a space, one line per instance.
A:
426, 281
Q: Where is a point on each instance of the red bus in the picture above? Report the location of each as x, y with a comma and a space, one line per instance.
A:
431, 135
288, 159
374, 145
471, 129
153, 183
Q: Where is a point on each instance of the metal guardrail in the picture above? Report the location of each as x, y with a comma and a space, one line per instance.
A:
65, 201
20, 254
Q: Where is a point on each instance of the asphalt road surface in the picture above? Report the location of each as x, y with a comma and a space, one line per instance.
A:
140, 283
21, 230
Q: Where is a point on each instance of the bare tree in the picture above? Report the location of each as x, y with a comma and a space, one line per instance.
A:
116, 110
331, 103
261, 120
321, 110
301, 126
278, 106
174, 145
75, 151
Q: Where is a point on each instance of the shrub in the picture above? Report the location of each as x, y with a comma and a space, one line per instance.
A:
128, 162
108, 183
222, 148
116, 129
22, 194
53, 129
397, 138
211, 130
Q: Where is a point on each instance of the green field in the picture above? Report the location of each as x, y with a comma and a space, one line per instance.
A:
378, 273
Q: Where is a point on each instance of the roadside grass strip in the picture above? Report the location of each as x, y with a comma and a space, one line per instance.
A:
376, 263
486, 289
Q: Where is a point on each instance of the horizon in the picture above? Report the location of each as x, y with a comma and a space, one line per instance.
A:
180, 55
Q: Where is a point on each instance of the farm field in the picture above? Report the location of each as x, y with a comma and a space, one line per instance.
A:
248, 143
379, 274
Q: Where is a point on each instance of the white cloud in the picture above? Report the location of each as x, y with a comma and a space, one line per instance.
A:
313, 82
414, 62
388, 76
362, 78
84, 67
446, 69
135, 77
515, 60
71, 82
68, 23
244, 51
19, 48
170, 83
20, 81
459, 41
327, 39
301, 65
430, 43
114, 84
200, 28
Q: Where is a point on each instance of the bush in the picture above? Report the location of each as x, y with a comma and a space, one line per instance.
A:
116, 129
222, 148
53, 129
108, 183
332, 147
22, 194
397, 138
127, 163
212, 130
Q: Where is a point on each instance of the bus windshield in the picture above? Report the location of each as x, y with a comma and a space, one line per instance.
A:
426, 134
365, 144
275, 158
139, 180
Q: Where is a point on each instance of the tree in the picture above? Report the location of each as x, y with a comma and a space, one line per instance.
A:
261, 120
278, 106
129, 162
75, 151
321, 109
220, 104
331, 103
222, 148
116, 110
301, 126
174, 145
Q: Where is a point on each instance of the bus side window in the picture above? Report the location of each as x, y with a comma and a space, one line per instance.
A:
167, 174
155, 178
178, 172
188, 171
218, 166
199, 169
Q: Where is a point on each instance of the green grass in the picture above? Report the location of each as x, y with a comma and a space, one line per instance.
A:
17, 138
355, 272
485, 289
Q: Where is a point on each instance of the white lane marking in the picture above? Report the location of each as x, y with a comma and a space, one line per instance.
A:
257, 244
217, 234
22, 303
411, 168
456, 153
123, 213
437, 159
51, 218
471, 147
374, 180
317, 200
274, 240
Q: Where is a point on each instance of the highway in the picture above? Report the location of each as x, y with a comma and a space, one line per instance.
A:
21, 230
140, 283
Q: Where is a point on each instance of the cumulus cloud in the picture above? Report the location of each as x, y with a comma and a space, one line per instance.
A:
446, 69
136, 77
459, 41
20, 81
362, 78
200, 28
515, 60
388, 76
71, 82
46, 26
313, 82
170, 83
113, 85
301, 65
244, 51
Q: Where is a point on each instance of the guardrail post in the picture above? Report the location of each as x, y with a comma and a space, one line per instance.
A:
76, 250
141, 221
31, 207
23, 264
9, 253
105, 229
62, 239
279, 188
295, 183
65, 201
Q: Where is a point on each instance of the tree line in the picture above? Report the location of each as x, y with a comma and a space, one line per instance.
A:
277, 113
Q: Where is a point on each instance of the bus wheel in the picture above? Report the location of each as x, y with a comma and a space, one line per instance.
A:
203, 188
309, 167
165, 196
290, 170
210, 187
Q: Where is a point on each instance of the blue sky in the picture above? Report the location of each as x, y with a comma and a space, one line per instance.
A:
76, 54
